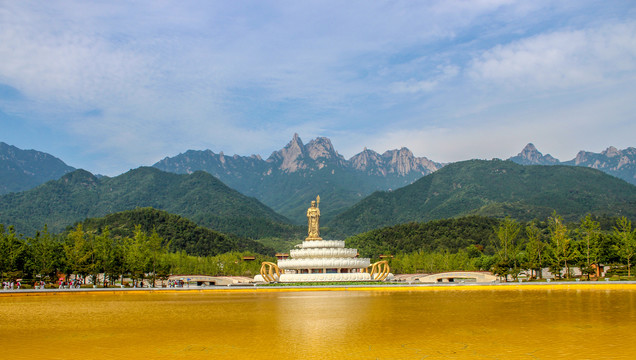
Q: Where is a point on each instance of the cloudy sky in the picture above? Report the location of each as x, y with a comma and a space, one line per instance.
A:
109, 86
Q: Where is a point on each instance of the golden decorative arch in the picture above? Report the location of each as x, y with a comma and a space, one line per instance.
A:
380, 270
270, 271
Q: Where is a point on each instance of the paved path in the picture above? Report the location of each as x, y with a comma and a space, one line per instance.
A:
386, 287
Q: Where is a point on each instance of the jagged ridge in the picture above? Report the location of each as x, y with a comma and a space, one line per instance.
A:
291, 176
619, 163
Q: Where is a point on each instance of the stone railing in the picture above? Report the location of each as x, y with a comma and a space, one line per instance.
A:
323, 263
325, 277
322, 244
323, 253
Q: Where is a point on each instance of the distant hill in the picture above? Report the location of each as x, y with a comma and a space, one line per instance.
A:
619, 163
25, 169
531, 156
181, 233
199, 197
291, 177
433, 236
492, 188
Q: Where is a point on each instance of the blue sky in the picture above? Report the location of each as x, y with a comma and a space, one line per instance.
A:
109, 86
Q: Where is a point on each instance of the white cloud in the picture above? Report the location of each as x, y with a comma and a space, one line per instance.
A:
412, 86
561, 59
159, 78
592, 123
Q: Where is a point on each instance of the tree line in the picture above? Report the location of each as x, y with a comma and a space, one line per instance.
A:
505, 246
85, 255
560, 247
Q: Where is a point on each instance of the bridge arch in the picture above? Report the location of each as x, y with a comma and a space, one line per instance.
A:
454, 276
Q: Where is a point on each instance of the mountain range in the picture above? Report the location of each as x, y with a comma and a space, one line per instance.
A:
494, 188
199, 197
619, 163
251, 175
25, 169
291, 177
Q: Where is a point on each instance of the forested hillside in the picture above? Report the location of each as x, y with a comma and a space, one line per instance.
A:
25, 169
493, 188
199, 197
433, 236
179, 234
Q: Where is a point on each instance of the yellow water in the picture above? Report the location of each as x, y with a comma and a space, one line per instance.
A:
460, 323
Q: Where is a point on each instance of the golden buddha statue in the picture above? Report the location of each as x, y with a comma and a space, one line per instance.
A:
313, 221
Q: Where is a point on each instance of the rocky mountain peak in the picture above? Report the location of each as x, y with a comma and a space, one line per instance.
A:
368, 160
290, 158
611, 152
321, 147
620, 163
401, 161
531, 156
530, 149
581, 157
531, 153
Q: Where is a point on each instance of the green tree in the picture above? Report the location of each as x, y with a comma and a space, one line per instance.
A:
534, 251
562, 251
626, 241
137, 254
109, 255
45, 254
12, 254
589, 233
507, 248
77, 252
156, 249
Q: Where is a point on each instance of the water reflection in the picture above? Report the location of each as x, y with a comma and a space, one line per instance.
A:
439, 324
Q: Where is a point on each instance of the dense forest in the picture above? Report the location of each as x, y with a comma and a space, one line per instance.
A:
504, 246
179, 233
143, 255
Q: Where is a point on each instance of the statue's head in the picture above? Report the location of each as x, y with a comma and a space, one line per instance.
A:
313, 203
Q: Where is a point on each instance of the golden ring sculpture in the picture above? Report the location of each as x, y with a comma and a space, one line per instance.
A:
270, 271
380, 270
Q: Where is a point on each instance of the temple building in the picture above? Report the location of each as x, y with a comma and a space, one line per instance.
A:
316, 259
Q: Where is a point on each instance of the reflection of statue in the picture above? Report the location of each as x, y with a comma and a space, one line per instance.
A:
313, 221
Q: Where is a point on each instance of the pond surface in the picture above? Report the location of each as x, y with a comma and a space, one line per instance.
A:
513, 323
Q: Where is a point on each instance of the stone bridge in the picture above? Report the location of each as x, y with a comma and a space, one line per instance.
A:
455, 276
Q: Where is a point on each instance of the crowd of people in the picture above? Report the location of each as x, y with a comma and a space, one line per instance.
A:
177, 283
11, 285
76, 284
72, 284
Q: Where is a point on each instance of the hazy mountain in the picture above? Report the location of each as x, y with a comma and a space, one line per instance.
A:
198, 196
531, 156
180, 233
25, 169
292, 176
619, 163
492, 188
